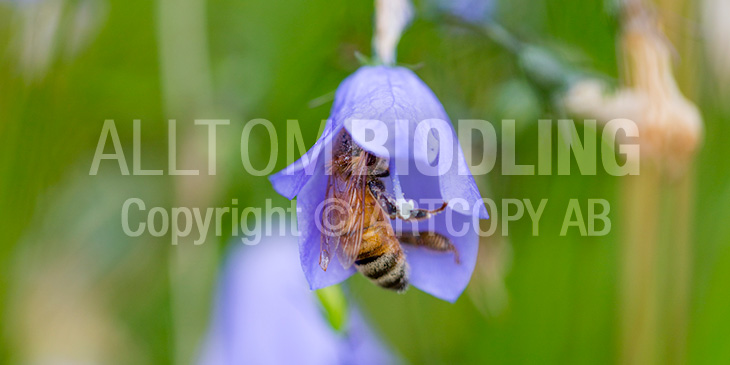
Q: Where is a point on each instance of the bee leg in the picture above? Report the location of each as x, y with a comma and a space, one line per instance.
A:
390, 204
431, 240
381, 173
419, 214
386, 201
379, 167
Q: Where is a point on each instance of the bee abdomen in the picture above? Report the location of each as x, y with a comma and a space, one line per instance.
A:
388, 270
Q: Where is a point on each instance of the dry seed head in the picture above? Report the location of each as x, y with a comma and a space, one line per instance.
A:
670, 126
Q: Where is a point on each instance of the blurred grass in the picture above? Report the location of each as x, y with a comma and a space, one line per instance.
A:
269, 59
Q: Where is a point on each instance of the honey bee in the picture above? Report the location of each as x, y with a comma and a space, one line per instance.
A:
357, 215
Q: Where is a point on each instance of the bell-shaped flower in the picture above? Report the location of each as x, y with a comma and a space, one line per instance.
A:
471, 11
390, 113
265, 314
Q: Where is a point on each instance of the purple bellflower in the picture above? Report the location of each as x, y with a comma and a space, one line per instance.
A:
264, 314
392, 114
471, 11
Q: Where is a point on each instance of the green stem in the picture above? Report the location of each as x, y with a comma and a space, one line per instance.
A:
639, 277
186, 91
334, 305
502, 37
680, 268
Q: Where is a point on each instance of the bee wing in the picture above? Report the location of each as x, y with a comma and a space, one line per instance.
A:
331, 216
344, 216
351, 242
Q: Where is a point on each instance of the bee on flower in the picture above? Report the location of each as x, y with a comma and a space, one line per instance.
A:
386, 191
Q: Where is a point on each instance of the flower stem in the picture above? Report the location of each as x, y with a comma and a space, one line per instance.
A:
391, 18
502, 37
639, 274
679, 273
334, 304
657, 252
187, 94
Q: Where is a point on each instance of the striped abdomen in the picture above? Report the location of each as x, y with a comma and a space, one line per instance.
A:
388, 270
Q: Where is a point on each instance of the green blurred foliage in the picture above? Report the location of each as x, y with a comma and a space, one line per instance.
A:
269, 59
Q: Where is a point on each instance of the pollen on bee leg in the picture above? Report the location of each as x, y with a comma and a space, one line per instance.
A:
405, 208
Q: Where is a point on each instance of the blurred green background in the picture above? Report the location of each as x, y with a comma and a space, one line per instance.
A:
74, 286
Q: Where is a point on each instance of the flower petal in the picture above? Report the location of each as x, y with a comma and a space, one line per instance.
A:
291, 180
264, 314
388, 97
458, 183
364, 345
394, 114
261, 280
437, 273
471, 11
